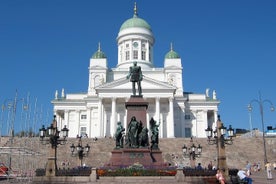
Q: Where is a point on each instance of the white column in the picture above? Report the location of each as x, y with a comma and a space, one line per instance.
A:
66, 119
157, 109
170, 124
161, 129
215, 120
182, 119
148, 51
204, 126
88, 131
59, 122
78, 121
58, 117
113, 117
100, 128
195, 124
157, 115
105, 125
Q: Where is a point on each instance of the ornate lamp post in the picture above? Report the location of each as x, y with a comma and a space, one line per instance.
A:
192, 152
218, 137
261, 102
54, 137
79, 150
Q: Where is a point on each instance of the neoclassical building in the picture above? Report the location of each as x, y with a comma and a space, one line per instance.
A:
96, 113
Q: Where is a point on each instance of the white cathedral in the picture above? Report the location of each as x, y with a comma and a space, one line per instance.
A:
96, 113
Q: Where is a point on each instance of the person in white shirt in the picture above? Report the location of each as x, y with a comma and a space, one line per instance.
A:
243, 176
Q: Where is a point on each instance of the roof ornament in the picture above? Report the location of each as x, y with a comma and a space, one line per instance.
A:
135, 10
171, 46
99, 46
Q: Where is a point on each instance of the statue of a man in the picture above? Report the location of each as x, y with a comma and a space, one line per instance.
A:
136, 76
119, 135
154, 134
132, 132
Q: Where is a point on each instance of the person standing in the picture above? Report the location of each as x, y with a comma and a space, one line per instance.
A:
210, 166
268, 166
248, 168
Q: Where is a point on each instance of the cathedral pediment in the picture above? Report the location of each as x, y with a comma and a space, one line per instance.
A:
148, 85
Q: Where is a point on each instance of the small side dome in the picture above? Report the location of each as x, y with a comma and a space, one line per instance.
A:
172, 54
135, 21
98, 54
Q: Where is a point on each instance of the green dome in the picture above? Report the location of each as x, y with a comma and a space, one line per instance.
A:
135, 22
99, 54
172, 55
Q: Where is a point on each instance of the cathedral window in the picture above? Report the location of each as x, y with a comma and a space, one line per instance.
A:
83, 116
143, 55
187, 116
127, 55
135, 54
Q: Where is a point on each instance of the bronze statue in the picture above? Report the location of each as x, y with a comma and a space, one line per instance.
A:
144, 138
132, 133
136, 76
154, 134
119, 135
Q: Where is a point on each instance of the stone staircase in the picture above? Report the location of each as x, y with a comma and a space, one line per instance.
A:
27, 154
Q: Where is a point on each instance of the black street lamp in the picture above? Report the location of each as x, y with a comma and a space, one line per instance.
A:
213, 137
79, 150
54, 137
192, 152
250, 108
218, 138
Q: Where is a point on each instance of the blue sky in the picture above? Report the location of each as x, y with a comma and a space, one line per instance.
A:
227, 46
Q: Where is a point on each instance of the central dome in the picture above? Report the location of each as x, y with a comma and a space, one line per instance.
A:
135, 22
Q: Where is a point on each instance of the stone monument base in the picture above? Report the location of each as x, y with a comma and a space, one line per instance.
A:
128, 156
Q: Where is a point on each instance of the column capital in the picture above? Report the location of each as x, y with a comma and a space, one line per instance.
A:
171, 99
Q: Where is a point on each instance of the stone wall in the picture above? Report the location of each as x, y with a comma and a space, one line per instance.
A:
27, 154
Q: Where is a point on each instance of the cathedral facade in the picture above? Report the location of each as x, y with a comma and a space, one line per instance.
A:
96, 113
